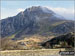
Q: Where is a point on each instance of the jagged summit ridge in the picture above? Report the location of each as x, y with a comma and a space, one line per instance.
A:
40, 8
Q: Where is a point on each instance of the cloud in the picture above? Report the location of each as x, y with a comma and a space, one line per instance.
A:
68, 13
59, 9
20, 9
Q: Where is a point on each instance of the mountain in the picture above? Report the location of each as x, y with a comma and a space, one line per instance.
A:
36, 20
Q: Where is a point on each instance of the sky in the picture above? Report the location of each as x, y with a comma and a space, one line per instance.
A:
64, 8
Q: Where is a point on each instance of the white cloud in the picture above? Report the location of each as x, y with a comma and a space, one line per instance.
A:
20, 9
68, 13
59, 9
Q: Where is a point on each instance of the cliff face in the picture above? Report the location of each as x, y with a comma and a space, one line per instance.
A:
35, 20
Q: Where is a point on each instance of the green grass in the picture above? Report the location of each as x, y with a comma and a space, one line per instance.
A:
58, 23
12, 36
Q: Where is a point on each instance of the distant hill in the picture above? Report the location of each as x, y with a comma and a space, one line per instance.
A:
35, 20
62, 41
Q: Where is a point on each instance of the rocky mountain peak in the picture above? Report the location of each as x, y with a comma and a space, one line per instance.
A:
35, 20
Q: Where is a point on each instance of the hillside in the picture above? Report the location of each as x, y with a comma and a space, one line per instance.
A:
62, 41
